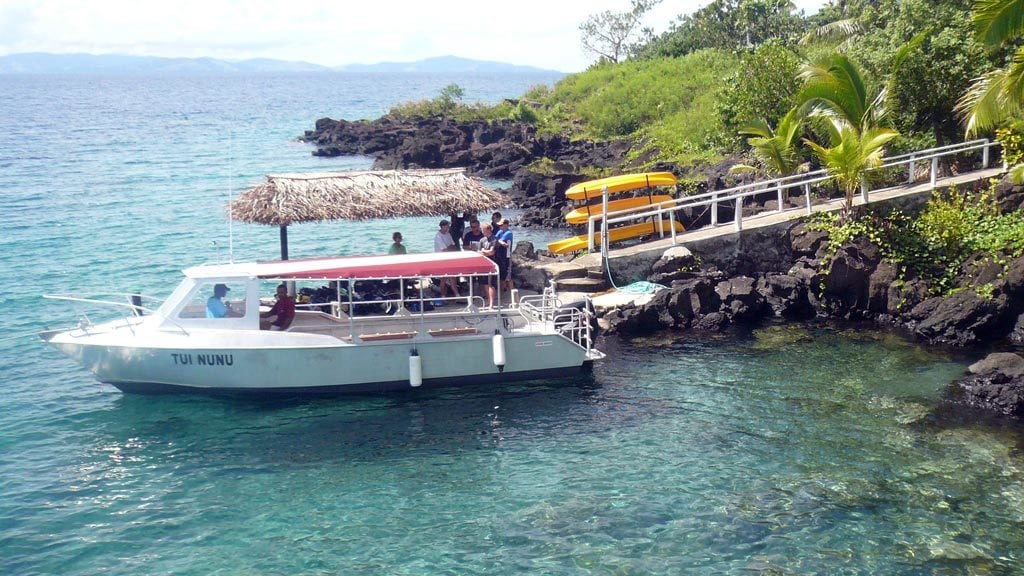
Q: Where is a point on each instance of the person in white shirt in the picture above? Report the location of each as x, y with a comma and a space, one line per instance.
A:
443, 243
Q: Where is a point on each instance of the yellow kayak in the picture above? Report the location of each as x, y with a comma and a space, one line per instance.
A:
577, 243
620, 183
583, 213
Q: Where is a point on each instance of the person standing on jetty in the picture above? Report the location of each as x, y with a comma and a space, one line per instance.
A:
397, 247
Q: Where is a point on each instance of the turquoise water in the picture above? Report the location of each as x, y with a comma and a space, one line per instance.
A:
792, 451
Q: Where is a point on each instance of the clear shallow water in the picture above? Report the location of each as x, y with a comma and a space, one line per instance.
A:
789, 453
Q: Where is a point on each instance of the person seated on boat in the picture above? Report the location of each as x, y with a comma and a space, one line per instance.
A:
282, 313
474, 235
443, 243
397, 247
487, 247
217, 308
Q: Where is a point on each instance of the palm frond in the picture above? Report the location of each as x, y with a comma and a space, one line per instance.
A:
984, 105
833, 31
997, 21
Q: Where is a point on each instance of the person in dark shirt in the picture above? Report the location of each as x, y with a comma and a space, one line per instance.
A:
474, 235
487, 245
283, 312
457, 227
503, 252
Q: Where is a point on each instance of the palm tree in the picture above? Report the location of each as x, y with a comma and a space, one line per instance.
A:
776, 149
835, 93
851, 158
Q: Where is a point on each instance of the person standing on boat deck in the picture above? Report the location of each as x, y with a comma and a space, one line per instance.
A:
397, 247
474, 235
443, 243
487, 246
457, 227
215, 307
283, 311
504, 252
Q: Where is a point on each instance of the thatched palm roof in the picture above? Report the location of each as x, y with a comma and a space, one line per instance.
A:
358, 195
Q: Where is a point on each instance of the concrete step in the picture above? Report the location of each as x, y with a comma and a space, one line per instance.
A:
564, 270
588, 285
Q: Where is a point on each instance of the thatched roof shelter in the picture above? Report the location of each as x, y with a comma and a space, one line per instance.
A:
359, 195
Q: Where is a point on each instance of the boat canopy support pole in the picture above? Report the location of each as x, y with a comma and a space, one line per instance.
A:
284, 242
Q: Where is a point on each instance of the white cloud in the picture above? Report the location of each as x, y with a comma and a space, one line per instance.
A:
540, 33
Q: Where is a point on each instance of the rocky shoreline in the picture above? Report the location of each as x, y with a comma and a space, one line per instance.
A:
500, 150
807, 279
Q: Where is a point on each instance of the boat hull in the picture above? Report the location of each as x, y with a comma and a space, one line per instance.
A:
325, 370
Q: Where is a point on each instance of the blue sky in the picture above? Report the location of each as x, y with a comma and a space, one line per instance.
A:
542, 33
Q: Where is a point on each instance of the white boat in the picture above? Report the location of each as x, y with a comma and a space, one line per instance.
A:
176, 347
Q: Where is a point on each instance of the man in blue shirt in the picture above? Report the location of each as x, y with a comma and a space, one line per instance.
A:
503, 254
215, 307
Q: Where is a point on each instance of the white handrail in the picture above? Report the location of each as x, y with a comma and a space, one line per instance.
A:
736, 194
96, 301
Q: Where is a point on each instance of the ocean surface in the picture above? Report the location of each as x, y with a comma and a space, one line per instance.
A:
792, 450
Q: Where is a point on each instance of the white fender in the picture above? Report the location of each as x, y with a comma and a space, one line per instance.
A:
498, 349
415, 370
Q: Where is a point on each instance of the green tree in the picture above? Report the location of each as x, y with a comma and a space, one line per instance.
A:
608, 34
450, 97
729, 25
761, 88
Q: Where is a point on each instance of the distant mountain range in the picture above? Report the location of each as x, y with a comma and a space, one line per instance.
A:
45, 63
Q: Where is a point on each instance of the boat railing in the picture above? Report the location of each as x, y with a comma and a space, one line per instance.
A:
132, 305
133, 300
574, 322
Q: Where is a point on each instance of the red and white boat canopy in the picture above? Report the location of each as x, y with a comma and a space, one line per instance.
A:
355, 267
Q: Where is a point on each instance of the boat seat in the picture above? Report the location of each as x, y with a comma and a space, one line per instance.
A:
386, 336
441, 332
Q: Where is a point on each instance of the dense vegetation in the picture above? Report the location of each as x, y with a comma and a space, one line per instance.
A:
837, 89
689, 91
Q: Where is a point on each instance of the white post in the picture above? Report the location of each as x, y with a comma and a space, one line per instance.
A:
864, 189
714, 209
910, 170
661, 224
984, 155
779, 189
604, 223
807, 196
738, 217
935, 170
